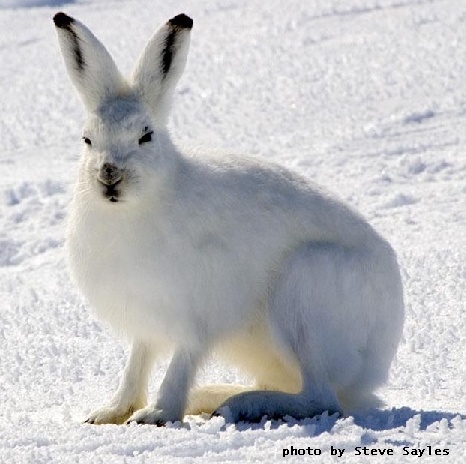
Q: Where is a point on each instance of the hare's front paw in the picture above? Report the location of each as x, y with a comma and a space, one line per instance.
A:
153, 416
110, 415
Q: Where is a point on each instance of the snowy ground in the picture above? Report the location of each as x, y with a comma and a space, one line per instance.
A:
367, 97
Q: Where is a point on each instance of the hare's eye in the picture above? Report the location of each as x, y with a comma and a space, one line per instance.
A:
146, 138
87, 141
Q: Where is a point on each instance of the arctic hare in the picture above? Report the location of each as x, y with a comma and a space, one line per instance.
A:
197, 253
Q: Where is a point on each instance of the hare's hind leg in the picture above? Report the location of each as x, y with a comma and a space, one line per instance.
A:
315, 397
320, 316
253, 352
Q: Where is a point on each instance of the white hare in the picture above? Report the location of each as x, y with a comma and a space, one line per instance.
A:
195, 254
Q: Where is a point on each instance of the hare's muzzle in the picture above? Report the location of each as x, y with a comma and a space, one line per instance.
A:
110, 176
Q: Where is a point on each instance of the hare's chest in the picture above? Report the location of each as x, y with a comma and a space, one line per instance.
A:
116, 264
166, 284
139, 282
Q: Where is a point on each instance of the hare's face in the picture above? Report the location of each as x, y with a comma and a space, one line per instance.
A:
119, 150
122, 156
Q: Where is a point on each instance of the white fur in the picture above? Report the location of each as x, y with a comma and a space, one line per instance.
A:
222, 253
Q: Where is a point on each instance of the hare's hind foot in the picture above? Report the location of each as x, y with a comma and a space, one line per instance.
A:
254, 405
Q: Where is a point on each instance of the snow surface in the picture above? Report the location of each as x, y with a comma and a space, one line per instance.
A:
367, 97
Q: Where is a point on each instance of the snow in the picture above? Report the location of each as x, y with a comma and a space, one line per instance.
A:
367, 97
31, 3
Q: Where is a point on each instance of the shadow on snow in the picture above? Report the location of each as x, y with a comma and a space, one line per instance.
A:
373, 420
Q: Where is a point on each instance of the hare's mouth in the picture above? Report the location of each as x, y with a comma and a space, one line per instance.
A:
111, 192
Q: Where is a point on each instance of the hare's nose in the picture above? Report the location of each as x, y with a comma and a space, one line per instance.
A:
109, 174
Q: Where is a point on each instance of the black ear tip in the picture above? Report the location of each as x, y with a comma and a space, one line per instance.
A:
62, 20
181, 20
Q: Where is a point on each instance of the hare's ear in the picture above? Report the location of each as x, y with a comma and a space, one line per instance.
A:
90, 66
160, 66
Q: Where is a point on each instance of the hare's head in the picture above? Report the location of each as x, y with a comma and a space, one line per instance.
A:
124, 134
